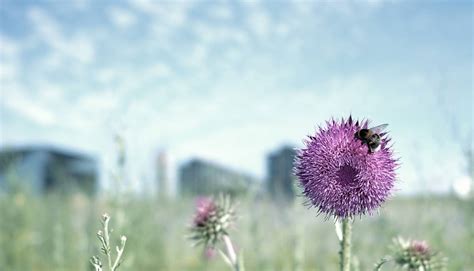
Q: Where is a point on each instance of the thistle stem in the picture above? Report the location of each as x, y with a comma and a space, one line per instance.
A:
231, 252
345, 252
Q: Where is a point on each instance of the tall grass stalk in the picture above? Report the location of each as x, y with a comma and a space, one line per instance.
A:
106, 248
27, 236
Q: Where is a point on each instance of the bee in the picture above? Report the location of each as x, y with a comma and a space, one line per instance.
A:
371, 136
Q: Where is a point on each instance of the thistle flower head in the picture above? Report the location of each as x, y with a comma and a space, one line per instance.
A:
419, 247
204, 209
416, 255
338, 174
212, 220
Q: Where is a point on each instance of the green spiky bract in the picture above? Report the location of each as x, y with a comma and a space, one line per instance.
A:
212, 220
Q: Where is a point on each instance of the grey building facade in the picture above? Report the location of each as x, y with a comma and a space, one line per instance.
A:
280, 179
198, 177
43, 169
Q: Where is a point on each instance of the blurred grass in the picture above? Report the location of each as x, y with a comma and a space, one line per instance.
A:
59, 233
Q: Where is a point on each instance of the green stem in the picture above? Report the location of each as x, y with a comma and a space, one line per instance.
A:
345, 252
107, 242
232, 256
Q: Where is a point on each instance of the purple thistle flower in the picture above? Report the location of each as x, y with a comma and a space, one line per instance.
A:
211, 220
419, 247
338, 174
205, 207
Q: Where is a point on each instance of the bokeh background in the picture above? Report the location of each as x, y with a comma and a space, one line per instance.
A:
136, 107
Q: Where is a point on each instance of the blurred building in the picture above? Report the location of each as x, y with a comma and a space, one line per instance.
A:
280, 174
162, 176
198, 177
44, 169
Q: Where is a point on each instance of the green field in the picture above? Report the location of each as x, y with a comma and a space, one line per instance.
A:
58, 233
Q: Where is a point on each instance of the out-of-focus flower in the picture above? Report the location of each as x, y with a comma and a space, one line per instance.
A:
419, 247
209, 253
415, 255
204, 209
462, 187
338, 174
212, 219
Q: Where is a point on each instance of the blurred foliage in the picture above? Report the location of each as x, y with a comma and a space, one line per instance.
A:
56, 232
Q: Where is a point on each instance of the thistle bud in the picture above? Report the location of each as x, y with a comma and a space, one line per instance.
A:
212, 219
416, 255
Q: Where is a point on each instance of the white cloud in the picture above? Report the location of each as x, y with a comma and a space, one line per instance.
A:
305, 8
197, 57
49, 93
80, 121
8, 72
208, 34
378, 3
8, 47
122, 18
173, 14
164, 21
81, 4
158, 70
25, 106
78, 47
221, 11
82, 48
53, 61
259, 21
10, 51
98, 102
45, 25
110, 75
282, 29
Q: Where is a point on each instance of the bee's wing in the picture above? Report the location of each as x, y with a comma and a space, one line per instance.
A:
379, 128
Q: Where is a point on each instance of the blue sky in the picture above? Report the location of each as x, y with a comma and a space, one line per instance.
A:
231, 81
